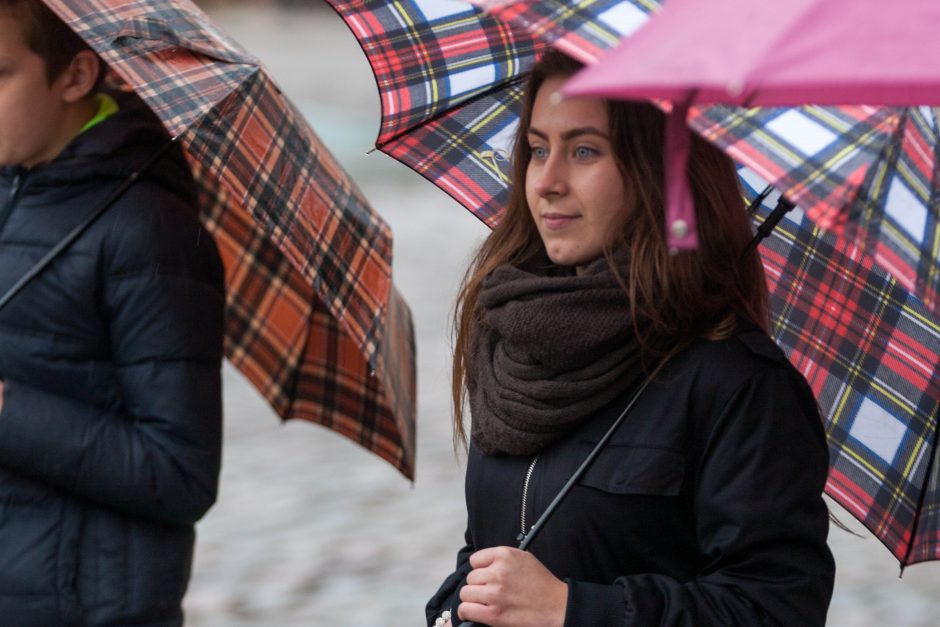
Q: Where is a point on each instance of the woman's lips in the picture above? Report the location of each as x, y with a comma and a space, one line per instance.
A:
555, 221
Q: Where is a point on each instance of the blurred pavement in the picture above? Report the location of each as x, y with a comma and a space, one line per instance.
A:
312, 530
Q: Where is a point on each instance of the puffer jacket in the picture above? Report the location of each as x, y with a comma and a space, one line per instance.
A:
110, 430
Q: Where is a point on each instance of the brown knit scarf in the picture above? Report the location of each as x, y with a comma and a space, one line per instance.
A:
552, 350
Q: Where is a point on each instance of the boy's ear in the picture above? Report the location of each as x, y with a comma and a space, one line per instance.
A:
80, 77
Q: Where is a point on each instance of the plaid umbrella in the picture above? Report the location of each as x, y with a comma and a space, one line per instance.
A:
850, 317
449, 82
313, 319
870, 349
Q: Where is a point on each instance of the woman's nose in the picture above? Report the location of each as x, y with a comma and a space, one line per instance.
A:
551, 177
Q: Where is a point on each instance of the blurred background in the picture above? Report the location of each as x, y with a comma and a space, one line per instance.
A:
310, 529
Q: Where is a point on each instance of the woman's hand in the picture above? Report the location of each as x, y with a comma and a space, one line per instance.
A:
511, 588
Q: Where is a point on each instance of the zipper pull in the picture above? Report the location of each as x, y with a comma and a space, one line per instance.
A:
525, 496
5, 209
15, 187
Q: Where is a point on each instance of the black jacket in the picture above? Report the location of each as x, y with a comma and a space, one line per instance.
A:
110, 432
704, 509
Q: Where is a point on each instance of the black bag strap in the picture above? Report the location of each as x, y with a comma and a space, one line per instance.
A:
526, 539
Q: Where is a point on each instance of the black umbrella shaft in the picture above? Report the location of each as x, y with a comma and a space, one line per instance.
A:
82, 226
767, 226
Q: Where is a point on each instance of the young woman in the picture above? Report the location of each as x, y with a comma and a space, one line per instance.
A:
705, 507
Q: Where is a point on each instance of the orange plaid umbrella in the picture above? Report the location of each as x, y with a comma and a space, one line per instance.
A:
313, 319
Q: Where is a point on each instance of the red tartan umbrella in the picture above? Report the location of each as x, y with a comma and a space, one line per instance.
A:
848, 319
313, 319
447, 78
450, 82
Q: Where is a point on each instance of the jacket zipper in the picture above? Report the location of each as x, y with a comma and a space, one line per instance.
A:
11, 198
525, 493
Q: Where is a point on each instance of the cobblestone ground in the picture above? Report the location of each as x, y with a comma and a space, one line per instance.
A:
312, 530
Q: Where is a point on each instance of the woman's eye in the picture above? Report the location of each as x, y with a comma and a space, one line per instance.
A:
583, 152
538, 152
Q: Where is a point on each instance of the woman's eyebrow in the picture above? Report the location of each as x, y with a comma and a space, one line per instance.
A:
571, 133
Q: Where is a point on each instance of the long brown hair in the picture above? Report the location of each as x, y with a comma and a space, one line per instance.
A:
678, 297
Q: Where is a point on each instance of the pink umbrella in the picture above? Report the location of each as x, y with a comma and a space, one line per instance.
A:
741, 52
864, 168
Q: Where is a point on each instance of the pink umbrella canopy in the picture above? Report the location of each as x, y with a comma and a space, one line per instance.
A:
739, 52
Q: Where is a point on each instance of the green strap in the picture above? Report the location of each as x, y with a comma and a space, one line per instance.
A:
107, 106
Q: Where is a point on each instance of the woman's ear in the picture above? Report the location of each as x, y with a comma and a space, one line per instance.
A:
80, 77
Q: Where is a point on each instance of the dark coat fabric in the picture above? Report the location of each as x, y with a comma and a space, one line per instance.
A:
110, 431
704, 509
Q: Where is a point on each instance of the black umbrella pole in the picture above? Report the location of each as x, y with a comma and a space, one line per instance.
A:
767, 226
76, 232
526, 539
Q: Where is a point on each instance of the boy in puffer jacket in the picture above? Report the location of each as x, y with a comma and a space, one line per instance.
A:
110, 383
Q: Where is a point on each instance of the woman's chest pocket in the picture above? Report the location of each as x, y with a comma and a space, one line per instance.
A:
635, 470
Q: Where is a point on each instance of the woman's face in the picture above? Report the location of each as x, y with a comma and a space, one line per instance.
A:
573, 186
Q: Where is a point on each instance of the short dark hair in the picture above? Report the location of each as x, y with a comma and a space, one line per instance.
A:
45, 34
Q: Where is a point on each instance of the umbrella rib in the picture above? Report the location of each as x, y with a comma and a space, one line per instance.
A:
496, 87
758, 200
